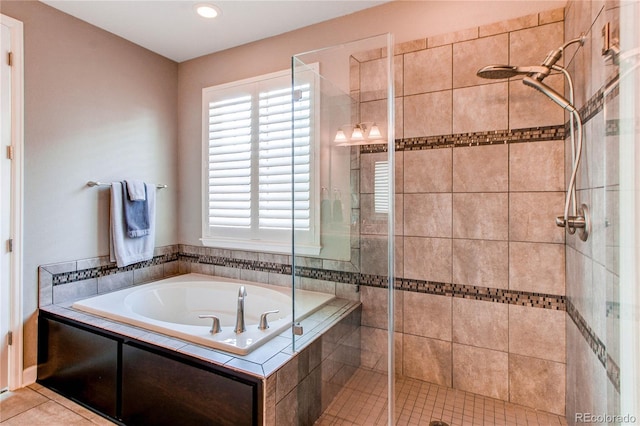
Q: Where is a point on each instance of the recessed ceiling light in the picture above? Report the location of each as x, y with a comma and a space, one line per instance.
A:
207, 10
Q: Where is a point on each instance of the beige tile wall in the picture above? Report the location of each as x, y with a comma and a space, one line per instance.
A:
475, 215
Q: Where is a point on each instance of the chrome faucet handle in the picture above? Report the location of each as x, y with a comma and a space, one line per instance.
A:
215, 326
263, 319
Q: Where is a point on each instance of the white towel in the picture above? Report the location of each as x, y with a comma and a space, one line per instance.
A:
135, 188
124, 250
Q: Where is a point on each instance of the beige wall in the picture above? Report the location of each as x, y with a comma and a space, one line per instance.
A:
97, 107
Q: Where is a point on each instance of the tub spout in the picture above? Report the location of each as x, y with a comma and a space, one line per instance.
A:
240, 327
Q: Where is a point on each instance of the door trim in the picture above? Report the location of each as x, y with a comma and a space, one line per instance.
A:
16, 362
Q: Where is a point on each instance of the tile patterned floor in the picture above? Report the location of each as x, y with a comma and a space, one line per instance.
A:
363, 401
39, 406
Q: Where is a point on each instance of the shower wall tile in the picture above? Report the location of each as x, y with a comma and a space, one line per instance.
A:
532, 216
374, 307
530, 108
549, 16
410, 46
45, 287
373, 348
150, 273
480, 108
596, 151
580, 282
481, 324
428, 114
490, 210
427, 359
437, 177
372, 222
399, 117
530, 46
536, 166
420, 255
537, 267
374, 256
481, 263
546, 392
509, 25
455, 37
399, 215
427, 215
470, 56
367, 171
373, 80
437, 324
481, 371
115, 282
481, 169
398, 75
75, 290
375, 111
527, 337
354, 74
598, 234
399, 172
428, 70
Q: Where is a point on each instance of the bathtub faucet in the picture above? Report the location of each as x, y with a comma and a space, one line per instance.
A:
242, 293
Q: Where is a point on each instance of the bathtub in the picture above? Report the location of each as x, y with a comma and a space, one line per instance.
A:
171, 306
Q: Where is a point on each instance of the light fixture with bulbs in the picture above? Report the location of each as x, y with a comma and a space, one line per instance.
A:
365, 133
207, 10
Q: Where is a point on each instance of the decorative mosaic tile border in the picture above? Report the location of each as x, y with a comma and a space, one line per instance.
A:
494, 137
596, 345
110, 269
613, 373
253, 265
522, 298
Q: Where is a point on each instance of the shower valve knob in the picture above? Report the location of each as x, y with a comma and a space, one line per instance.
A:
581, 222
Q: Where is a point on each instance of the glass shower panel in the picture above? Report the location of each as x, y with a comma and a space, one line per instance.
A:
622, 115
343, 240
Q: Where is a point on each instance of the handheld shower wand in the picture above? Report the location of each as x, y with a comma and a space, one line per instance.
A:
549, 92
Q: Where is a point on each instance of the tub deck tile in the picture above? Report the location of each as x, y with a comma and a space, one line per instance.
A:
245, 366
205, 354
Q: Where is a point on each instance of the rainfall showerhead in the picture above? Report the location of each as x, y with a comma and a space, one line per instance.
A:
507, 71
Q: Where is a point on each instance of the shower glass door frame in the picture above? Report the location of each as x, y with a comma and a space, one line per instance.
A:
354, 88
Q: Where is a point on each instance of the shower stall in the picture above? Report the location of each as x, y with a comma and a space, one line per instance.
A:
478, 221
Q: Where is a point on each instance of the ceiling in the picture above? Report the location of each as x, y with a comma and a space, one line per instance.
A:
172, 29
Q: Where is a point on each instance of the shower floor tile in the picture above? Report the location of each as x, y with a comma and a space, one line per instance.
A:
363, 401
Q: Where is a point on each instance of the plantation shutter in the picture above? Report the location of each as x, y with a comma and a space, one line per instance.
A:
256, 161
276, 159
381, 187
230, 162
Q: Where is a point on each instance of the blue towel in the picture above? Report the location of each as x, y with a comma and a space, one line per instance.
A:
122, 249
136, 214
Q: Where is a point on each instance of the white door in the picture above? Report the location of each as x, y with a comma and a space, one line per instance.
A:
5, 206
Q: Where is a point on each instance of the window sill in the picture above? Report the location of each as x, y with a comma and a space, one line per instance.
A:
260, 246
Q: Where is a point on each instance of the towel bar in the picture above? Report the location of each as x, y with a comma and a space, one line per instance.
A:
94, 183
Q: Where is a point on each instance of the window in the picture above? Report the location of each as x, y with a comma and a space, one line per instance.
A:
381, 187
249, 153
